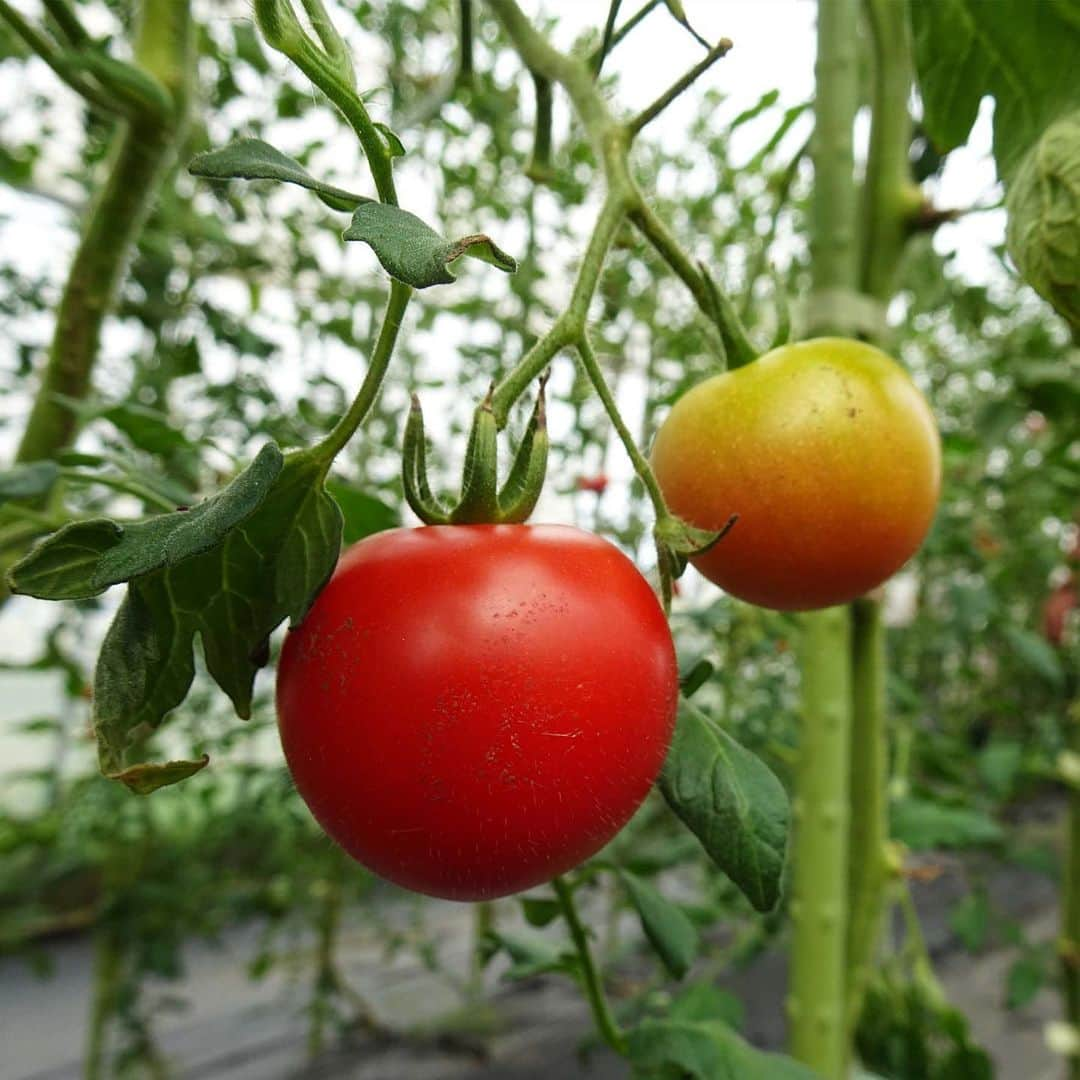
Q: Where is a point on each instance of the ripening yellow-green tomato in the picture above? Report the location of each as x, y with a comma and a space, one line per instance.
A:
829, 455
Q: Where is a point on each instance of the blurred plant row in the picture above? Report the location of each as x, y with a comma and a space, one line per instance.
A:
239, 320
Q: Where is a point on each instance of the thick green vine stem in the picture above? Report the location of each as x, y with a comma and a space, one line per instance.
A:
887, 210
869, 824
594, 987
482, 500
142, 149
817, 997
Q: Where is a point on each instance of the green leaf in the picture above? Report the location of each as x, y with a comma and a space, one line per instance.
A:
706, 1001
148, 777
969, 920
540, 910
84, 558
667, 927
257, 553
1021, 53
705, 1050
253, 159
531, 954
363, 513
924, 825
28, 481
393, 143
1036, 653
148, 429
1026, 978
411, 251
694, 679
731, 801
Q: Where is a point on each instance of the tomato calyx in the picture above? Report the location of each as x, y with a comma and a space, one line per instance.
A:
482, 501
677, 542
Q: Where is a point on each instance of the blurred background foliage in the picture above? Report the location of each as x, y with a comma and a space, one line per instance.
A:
243, 318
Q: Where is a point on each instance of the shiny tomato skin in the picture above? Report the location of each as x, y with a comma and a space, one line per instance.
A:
470, 710
830, 456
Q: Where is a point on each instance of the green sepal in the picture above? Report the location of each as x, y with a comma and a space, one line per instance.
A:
521, 491
479, 502
482, 501
414, 479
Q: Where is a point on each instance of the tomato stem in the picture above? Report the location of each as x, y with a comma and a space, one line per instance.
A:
594, 988
346, 427
817, 998
684, 82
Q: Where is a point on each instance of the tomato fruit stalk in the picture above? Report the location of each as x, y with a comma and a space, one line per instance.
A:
471, 710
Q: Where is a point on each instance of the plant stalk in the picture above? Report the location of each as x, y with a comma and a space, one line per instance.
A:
594, 987
886, 207
817, 993
143, 148
868, 791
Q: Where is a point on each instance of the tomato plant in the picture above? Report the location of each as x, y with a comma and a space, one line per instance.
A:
470, 710
828, 454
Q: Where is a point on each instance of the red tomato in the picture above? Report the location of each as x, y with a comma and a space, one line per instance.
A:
596, 484
829, 455
471, 710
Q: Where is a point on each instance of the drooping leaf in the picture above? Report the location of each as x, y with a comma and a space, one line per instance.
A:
1036, 653
411, 251
28, 481
530, 954
540, 910
707, 1001
148, 429
923, 825
690, 682
669, 930
230, 570
1023, 54
1026, 978
84, 558
253, 159
731, 801
705, 1050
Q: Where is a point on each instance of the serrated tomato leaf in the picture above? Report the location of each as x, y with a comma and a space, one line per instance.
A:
411, 251
28, 481
731, 801
84, 558
253, 159
668, 928
257, 554
705, 1050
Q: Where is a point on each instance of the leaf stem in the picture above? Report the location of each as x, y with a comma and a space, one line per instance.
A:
594, 988
346, 427
603, 391
623, 30
651, 112
609, 30
569, 327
